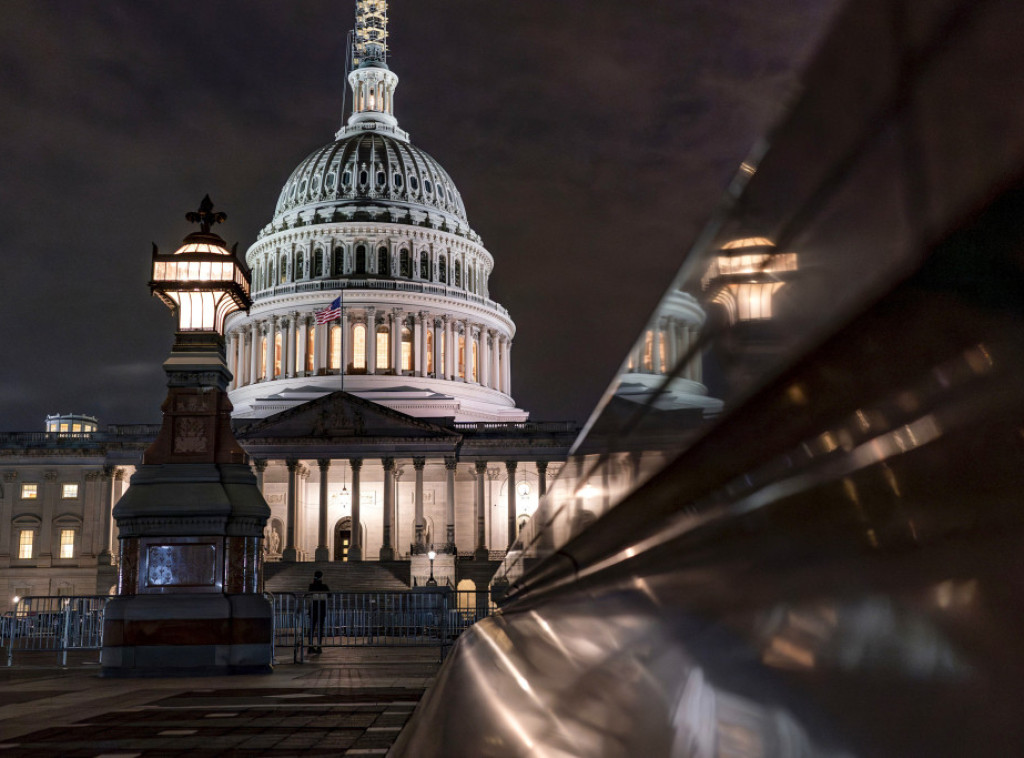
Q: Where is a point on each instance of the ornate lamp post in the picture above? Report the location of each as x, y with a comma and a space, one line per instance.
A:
431, 582
191, 524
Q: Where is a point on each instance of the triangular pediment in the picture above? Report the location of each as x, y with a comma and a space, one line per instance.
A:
340, 415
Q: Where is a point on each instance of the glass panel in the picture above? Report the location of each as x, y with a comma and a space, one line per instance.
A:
67, 543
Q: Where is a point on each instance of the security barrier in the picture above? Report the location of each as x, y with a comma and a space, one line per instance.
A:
417, 618
54, 624
413, 618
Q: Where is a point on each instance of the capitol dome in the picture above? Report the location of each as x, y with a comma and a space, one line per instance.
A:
366, 168
369, 279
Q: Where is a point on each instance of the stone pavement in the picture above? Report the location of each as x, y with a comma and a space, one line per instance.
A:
347, 702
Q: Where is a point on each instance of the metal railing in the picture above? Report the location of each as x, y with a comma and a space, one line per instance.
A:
410, 618
416, 618
56, 624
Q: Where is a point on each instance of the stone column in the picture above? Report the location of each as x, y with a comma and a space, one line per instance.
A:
417, 464
495, 346
355, 548
510, 467
387, 549
49, 497
260, 465
421, 344
508, 368
396, 341
322, 553
481, 510
232, 356
450, 348
269, 335
288, 345
480, 338
290, 554
449, 526
292, 349
106, 506
438, 368
343, 358
371, 340
542, 477
254, 352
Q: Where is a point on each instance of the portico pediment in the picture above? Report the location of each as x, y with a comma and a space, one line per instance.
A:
339, 417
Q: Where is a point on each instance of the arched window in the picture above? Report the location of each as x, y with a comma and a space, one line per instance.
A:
334, 360
383, 348
270, 274
406, 349
300, 266
458, 273
339, 261
283, 269
361, 259
318, 262
405, 264
442, 270
383, 269
424, 266
359, 347
430, 351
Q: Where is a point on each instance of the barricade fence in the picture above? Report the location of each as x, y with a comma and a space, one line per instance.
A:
309, 622
303, 622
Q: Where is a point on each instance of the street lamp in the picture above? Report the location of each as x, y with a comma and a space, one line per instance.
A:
431, 582
202, 281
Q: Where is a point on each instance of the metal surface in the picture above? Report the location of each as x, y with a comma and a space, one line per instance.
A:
830, 565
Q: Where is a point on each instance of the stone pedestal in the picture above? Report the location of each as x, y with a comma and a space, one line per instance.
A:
190, 579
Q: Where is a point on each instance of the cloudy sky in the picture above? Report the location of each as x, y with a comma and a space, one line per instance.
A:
590, 140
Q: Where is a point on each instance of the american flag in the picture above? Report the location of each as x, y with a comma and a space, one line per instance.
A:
330, 313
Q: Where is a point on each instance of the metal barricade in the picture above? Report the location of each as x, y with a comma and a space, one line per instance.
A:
54, 624
288, 626
415, 618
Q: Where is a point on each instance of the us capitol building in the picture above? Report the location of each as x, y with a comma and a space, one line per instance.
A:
372, 383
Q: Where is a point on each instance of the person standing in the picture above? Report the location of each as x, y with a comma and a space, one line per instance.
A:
317, 600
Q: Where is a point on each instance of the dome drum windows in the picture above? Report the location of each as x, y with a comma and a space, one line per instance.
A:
360, 259
405, 265
424, 266
442, 270
318, 263
383, 264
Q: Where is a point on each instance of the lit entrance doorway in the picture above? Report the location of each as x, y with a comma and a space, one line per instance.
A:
342, 539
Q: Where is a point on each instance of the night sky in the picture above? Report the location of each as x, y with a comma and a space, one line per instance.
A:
590, 140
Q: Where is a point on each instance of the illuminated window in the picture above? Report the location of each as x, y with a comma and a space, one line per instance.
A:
263, 358
310, 348
29, 491
406, 350
383, 343
76, 428
69, 491
25, 543
648, 351
476, 376
359, 347
430, 351
461, 370
277, 354
334, 361
67, 543
661, 352
64, 427
444, 346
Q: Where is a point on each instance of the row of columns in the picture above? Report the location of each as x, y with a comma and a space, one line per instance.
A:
250, 363
662, 347
387, 550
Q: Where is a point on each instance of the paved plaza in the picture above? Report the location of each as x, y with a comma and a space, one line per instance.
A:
346, 702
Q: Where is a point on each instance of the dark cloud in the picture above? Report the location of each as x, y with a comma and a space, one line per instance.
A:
590, 140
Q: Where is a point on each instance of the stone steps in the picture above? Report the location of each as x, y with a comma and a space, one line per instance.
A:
369, 576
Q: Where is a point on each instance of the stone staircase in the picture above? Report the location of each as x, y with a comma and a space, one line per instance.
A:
369, 576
